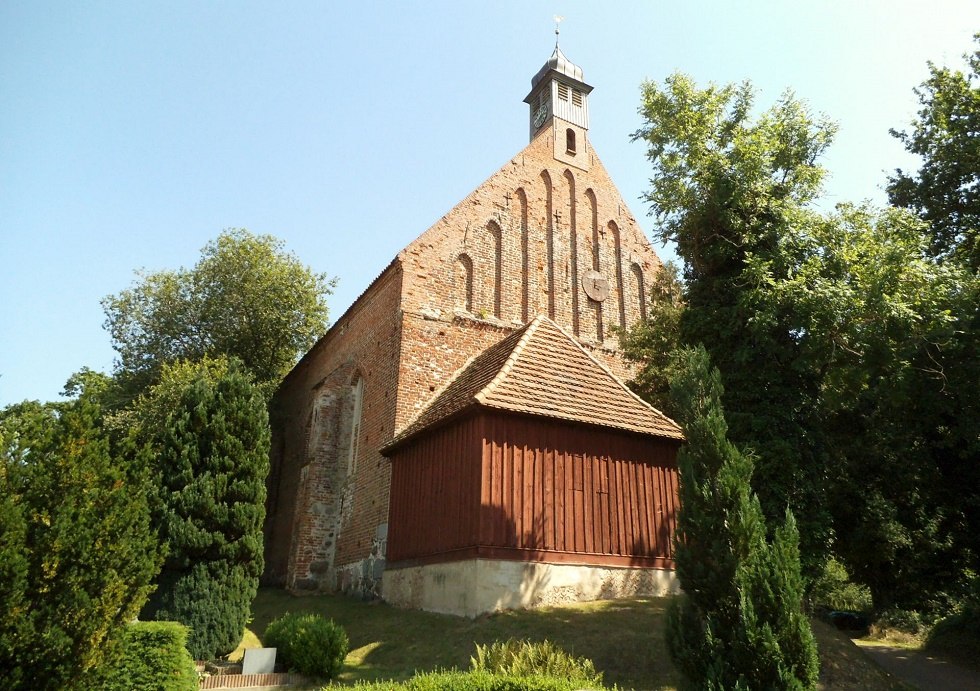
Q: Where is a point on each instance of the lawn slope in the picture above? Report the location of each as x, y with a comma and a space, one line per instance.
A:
624, 638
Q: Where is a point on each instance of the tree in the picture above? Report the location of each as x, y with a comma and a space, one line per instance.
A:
945, 191
848, 346
77, 552
245, 298
727, 188
942, 429
740, 623
881, 324
205, 426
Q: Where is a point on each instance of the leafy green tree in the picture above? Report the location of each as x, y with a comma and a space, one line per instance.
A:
246, 298
77, 552
941, 429
945, 191
15, 610
740, 623
205, 426
883, 325
727, 187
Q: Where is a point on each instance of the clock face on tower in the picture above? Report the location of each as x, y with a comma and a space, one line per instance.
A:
540, 115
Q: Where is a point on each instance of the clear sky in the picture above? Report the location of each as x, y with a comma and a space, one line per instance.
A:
132, 133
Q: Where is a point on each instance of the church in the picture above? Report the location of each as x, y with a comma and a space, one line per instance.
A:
461, 440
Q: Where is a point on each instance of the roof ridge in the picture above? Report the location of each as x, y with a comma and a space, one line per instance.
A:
508, 365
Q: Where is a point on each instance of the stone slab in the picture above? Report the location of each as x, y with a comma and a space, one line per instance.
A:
259, 661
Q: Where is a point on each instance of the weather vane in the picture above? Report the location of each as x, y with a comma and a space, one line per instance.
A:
558, 19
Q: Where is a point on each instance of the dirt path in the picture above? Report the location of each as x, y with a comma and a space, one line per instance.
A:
921, 670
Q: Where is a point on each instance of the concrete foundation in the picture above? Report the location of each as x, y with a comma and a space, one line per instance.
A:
476, 586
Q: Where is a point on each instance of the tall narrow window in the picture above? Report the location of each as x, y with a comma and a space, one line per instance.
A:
640, 289
570, 141
464, 282
525, 258
357, 392
550, 242
572, 249
594, 222
562, 91
496, 241
618, 258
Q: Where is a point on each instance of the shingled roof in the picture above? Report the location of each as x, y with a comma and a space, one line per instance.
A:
541, 370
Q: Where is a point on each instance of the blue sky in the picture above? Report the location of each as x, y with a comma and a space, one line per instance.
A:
132, 133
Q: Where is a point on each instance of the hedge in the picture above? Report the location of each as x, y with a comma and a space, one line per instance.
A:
154, 658
475, 681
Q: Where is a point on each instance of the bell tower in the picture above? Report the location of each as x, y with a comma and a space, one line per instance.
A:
560, 97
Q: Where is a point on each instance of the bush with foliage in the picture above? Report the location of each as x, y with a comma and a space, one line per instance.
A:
308, 644
205, 427
905, 621
958, 636
527, 658
77, 551
154, 656
476, 681
835, 589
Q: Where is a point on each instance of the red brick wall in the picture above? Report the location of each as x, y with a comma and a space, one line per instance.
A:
531, 230
319, 516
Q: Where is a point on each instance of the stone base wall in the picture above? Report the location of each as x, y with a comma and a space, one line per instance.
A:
476, 586
363, 578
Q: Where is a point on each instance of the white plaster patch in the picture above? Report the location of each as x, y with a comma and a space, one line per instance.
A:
476, 586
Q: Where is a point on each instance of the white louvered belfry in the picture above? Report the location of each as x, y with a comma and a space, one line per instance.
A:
558, 91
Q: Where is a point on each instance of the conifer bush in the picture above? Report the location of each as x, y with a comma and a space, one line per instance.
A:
740, 623
77, 551
207, 431
308, 644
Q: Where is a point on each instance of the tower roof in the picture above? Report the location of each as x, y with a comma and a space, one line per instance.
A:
541, 370
559, 63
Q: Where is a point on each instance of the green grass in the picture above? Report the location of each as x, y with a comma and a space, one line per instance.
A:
624, 638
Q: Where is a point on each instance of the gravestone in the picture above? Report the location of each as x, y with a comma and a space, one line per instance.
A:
259, 661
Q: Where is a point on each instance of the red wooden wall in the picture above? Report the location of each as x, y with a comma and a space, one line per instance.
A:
519, 487
435, 493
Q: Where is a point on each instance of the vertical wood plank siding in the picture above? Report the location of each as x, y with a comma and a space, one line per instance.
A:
435, 493
521, 487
